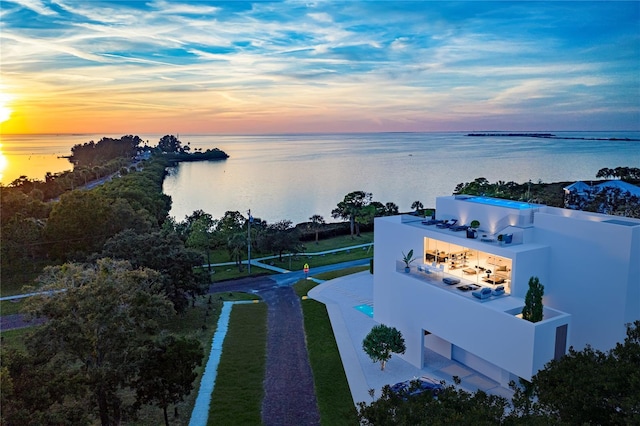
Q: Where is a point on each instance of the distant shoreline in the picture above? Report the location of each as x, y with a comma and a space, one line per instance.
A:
548, 136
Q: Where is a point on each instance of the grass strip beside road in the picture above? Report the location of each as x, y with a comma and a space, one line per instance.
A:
10, 307
238, 392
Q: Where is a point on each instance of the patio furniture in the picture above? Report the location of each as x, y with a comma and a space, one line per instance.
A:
451, 280
484, 293
498, 291
458, 228
494, 279
448, 224
431, 222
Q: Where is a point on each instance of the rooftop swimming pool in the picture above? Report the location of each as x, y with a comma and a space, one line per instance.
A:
365, 309
519, 205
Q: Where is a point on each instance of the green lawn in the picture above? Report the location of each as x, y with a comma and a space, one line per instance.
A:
10, 307
298, 262
341, 272
238, 392
338, 242
13, 339
14, 276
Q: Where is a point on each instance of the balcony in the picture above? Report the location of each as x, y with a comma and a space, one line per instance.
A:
486, 237
490, 328
463, 287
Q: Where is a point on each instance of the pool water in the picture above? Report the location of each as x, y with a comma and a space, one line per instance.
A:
365, 309
520, 205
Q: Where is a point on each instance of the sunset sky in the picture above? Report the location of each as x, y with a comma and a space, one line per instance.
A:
90, 66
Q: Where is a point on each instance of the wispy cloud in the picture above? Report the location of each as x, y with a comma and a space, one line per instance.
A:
37, 6
280, 64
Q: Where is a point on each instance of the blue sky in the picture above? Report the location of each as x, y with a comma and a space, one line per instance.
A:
324, 66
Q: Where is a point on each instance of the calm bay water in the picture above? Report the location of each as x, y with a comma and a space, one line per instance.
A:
296, 176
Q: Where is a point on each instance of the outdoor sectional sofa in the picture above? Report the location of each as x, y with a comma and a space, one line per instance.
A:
483, 293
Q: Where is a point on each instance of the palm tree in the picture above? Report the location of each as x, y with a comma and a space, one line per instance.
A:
237, 244
350, 207
391, 209
316, 223
417, 206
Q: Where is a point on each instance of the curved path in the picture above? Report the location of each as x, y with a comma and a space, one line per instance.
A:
289, 394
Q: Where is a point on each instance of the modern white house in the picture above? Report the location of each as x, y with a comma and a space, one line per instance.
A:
463, 296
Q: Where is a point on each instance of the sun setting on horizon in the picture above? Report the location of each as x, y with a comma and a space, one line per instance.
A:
271, 67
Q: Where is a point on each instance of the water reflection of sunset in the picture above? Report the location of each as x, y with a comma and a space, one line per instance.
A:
30, 156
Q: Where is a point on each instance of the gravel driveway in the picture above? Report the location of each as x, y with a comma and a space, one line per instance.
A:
290, 397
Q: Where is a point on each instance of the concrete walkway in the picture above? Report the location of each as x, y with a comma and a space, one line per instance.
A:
350, 326
200, 412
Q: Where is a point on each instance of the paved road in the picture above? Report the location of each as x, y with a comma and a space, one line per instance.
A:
11, 322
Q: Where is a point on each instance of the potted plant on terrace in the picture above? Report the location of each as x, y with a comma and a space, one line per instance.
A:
408, 259
472, 231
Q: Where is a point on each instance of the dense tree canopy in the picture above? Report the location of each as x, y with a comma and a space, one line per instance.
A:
592, 387
167, 371
629, 174
82, 221
98, 318
90, 154
162, 251
453, 406
170, 144
281, 237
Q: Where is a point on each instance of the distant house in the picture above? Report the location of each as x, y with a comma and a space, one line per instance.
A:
617, 185
463, 296
144, 154
579, 194
578, 188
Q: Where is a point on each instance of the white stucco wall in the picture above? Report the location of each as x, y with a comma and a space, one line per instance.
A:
590, 269
593, 274
411, 305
